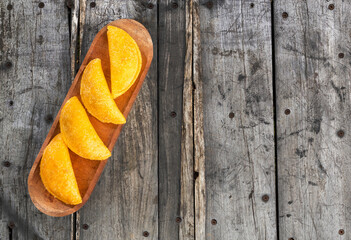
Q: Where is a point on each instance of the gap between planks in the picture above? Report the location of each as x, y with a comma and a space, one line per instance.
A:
76, 11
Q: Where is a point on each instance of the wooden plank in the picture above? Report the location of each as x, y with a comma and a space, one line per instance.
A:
35, 76
171, 64
199, 141
313, 82
124, 202
238, 119
186, 230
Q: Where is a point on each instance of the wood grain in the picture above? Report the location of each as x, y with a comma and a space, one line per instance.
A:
199, 141
171, 64
222, 51
36, 43
186, 230
313, 82
124, 203
236, 63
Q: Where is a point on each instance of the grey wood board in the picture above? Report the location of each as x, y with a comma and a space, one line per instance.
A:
171, 50
313, 83
124, 203
36, 42
238, 119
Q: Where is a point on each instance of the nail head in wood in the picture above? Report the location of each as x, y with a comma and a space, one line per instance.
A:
178, 219
6, 164
214, 222
69, 3
252, 5
341, 55
49, 118
146, 234
11, 103
85, 226
93, 4
173, 114
341, 232
174, 5
231, 115
285, 15
291, 239
41, 5
287, 111
8, 64
150, 6
265, 198
11, 225
341, 133
209, 4
40, 39
9, 7
331, 6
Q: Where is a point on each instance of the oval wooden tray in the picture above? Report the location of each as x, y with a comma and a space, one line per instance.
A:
88, 171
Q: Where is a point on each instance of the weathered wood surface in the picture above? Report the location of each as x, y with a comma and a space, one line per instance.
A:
187, 145
124, 204
171, 64
238, 119
313, 105
34, 78
199, 144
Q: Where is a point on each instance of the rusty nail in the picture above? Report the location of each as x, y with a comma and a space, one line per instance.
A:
41, 5
231, 115
341, 133
178, 219
7, 164
285, 15
252, 5
341, 232
11, 103
209, 4
265, 198
213, 221
150, 6
341, 55
92, 4
287, 111
8, 64
85, 226
146, 234
11, 225
9, 7
331, 6
174, 5
69, 3
173, 114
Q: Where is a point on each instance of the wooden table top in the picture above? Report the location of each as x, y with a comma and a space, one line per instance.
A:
241, 129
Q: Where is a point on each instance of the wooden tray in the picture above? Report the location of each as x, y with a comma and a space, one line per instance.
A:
88, 171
